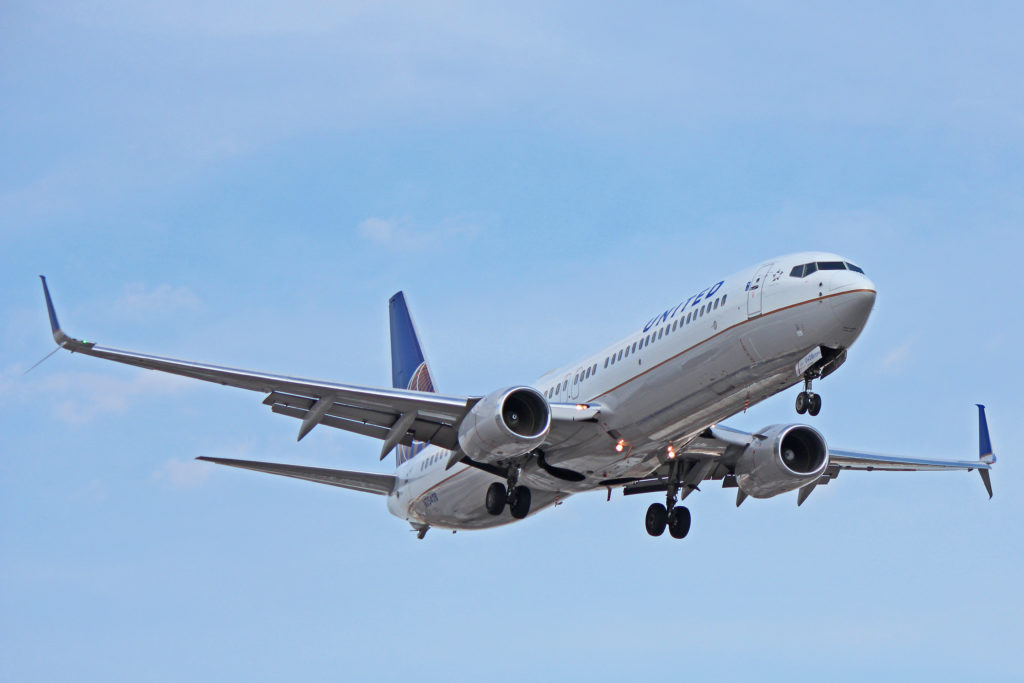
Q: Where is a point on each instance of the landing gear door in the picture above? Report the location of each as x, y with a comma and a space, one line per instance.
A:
755, 289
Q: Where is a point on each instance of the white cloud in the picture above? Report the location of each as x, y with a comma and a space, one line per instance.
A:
81, 397
896, 358
184, 474
377, 229
406, 235
138, 300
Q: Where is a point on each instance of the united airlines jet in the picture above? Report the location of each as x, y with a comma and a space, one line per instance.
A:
642, 415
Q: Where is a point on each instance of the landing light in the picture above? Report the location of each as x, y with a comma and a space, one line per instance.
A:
581, 406
620, 445
671, 452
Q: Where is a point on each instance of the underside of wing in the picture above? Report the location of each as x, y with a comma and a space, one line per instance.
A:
856, 460
381, 484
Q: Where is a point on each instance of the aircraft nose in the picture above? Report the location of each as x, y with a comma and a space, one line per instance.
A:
853, 308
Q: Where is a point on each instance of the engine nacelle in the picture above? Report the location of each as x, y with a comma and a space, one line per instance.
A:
505, 424
789, 457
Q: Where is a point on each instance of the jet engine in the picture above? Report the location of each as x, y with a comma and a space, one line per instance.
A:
505, 424
781, 458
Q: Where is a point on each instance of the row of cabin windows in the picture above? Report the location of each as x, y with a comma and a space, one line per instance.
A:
636, 346
665, 330
430, 461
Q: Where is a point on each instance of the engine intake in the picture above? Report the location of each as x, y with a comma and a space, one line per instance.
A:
505, 424
786, 458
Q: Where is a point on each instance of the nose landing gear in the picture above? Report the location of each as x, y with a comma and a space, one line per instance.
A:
807, 401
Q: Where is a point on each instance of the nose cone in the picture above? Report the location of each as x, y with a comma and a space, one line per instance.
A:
852, 309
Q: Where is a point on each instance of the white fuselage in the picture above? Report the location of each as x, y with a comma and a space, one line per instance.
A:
705, 358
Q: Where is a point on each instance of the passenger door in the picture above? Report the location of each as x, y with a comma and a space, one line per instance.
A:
755, 289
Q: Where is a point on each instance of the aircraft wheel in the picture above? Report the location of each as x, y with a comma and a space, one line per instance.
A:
814, 405
656, 518
496, 498
803, 402
679, 522
519, 504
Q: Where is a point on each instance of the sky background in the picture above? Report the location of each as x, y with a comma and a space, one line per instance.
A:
248, 183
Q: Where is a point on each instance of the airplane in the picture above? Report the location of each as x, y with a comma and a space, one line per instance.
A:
642, 415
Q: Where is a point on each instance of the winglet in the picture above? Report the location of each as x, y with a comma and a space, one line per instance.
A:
985, 453
58, 334
984, 442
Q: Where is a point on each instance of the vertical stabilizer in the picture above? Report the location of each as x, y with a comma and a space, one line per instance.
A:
408, 365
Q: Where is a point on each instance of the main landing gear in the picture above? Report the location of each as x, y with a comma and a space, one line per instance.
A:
807, 401
517, 497
676, 518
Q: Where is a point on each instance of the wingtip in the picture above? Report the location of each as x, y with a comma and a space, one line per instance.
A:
986, 479
58, 334
985, 452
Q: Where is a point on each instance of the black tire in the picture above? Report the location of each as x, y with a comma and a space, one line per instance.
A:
814, 406
802, 402
496, 498
656, 518
679, 522
519, 505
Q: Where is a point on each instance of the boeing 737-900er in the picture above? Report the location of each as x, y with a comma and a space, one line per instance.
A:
643, 414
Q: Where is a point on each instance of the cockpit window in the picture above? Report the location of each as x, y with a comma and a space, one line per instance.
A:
804, 270
856, 269
831, 265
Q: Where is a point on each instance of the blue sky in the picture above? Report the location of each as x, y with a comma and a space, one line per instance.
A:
248, 183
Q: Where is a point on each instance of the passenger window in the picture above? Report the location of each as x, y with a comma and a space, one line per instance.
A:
606, 362
576, 379
620, 355
634, 347
595, 368
702, 311
716, 305
661, 332
565, 385
688, 316
674, 325
723, 298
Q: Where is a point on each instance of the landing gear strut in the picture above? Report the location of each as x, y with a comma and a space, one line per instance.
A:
807, 401
676, 518
517, 497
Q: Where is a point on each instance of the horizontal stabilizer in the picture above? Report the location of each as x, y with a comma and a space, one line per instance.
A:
381, 484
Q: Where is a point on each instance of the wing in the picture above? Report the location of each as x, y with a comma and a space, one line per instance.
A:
396, 416
714, 452
859, 460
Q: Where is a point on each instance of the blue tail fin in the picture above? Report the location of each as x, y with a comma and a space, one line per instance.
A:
408, 366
